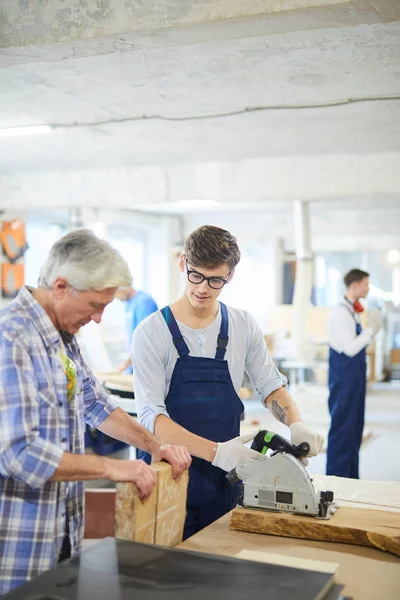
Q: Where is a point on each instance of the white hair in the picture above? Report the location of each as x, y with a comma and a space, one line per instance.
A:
86, 262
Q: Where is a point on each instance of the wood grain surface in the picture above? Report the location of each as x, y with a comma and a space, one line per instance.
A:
360, 527
135, 520
171, 506
160, 518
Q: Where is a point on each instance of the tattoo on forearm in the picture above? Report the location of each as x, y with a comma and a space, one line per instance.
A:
279, 411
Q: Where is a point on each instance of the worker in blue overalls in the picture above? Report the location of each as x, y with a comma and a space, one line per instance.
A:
347, 375
189, 363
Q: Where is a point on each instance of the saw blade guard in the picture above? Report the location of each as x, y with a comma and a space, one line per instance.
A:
281, 483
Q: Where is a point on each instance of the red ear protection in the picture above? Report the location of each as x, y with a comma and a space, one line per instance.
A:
358, 307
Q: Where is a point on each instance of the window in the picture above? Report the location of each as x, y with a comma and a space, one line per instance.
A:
253, 287
132, 250
40, 236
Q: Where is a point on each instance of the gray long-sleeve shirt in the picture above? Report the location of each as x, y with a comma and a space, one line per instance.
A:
154, 356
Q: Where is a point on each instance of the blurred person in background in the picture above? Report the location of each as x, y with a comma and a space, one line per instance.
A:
138, 306
348, 375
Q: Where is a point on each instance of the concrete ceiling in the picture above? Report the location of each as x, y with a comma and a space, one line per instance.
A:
97, 102
155, 104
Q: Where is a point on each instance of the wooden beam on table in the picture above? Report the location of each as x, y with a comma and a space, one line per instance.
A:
361, 527
135, 520
160, 518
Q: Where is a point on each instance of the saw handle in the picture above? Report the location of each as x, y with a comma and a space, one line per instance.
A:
303, 449
265, 440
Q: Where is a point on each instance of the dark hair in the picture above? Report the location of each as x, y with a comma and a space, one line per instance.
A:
354, 275
209, 247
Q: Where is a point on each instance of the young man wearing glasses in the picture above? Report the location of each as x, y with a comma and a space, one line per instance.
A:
189, 363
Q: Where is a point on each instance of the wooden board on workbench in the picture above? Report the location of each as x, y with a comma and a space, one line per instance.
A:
160, 518
361, 527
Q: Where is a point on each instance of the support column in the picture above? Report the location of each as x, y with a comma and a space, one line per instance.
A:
279, 258
303, 281
396, 284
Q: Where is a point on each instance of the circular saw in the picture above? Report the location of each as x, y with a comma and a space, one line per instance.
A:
280, 481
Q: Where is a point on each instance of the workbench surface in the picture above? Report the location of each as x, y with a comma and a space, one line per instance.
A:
367, 574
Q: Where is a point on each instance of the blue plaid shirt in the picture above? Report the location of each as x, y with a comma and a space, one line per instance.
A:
37, 424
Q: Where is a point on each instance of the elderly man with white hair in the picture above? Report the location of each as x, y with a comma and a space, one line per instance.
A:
47, 392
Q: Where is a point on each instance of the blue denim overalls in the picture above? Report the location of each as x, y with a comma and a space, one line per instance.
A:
347, 389
202, 399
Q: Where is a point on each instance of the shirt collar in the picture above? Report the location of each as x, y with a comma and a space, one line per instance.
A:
39, 316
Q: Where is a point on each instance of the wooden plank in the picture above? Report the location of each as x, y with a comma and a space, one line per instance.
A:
171, 506
361, 527
160, 518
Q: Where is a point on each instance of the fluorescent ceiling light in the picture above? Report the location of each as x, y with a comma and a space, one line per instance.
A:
197, 203
393, 256
29, 130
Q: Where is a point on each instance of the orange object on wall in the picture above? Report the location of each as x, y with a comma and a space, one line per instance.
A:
13, 239
12, 279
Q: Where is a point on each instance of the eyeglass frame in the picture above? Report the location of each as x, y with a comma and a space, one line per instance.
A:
204, 278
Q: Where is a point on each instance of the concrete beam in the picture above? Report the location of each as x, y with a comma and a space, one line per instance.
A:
335, 230
33, 23
306, 177
261, 180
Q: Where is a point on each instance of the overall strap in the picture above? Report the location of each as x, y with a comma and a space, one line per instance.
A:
350, 311
177, 338
223, 337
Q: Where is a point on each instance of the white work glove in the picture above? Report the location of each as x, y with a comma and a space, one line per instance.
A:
374, 319
300, 432
232, 453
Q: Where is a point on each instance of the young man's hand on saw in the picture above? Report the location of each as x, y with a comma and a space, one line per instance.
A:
232, 453
300, 432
